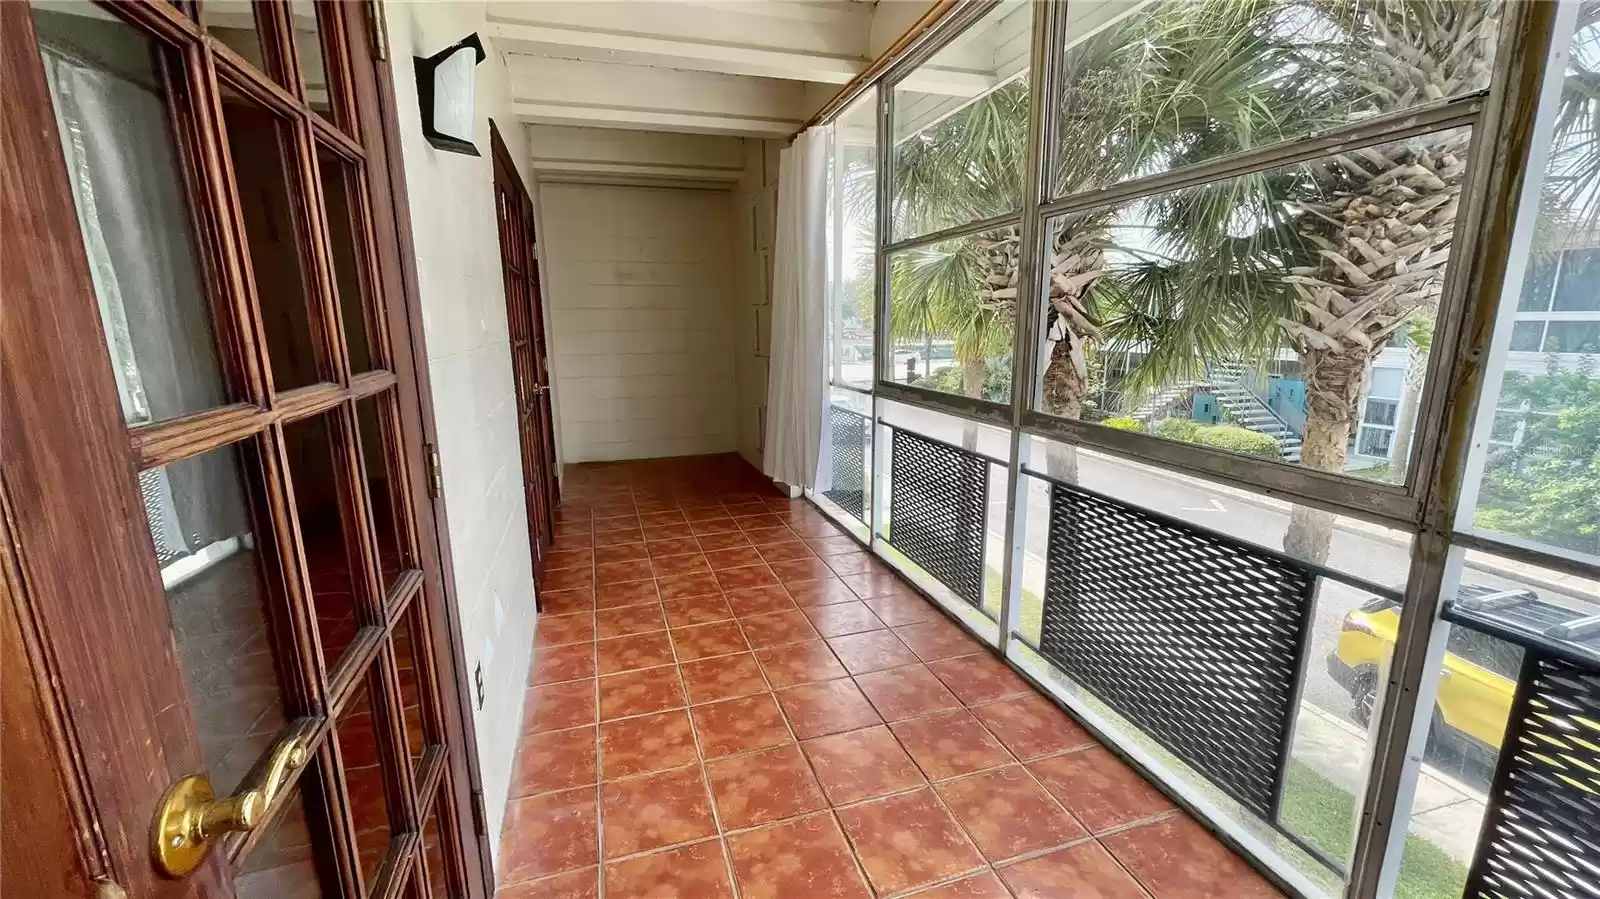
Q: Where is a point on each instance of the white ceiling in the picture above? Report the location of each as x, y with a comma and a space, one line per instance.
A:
751, 68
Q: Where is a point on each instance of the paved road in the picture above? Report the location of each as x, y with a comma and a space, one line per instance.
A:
1363, 554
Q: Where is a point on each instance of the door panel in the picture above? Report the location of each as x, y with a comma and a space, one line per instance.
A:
212, 449
526, 325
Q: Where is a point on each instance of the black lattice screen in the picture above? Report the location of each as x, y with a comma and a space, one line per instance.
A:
1541, 837
849, 432
937, 500
1196, 638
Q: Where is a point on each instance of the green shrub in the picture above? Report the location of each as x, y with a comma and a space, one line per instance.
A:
1124, 423
1238, 440
1177, 429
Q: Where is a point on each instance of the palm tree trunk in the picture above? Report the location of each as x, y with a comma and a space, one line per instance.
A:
973, 374
1333, 383
1063, 397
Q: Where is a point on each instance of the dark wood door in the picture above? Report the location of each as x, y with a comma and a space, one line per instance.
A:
220, 541
525, 318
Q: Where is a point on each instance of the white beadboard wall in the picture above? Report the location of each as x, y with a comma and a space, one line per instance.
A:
451, 202
642, 325
755, 204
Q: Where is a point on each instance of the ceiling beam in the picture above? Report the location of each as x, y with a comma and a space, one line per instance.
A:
801, 60
576, 92
638, 49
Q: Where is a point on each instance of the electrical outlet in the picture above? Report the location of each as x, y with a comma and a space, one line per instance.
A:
477, 680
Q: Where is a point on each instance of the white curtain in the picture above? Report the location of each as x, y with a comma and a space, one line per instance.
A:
797, 382
133, 217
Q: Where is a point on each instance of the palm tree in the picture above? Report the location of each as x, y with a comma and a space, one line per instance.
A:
1332, 259
967, 166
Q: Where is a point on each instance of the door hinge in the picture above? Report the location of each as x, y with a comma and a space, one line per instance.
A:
377, 22
480, 821
435, 472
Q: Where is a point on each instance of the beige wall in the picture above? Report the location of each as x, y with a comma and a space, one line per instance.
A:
469, 363
642, 325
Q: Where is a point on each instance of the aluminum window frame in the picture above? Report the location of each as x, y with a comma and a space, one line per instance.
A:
1455, 412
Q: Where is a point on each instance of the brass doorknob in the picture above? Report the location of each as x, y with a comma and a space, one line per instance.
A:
190, 815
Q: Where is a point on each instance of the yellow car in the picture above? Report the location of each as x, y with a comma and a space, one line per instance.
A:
1480, 671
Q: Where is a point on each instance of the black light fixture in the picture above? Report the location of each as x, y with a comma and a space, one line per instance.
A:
446, 84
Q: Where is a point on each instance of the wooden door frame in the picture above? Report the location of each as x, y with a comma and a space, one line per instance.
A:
78, 613
532, 308
392, 209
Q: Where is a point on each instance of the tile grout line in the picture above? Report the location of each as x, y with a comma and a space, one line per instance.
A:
700, 758
853, 677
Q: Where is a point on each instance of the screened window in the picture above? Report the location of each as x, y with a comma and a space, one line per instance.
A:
960, 126
852, 238
1536, 481
1165, 314
1179, 82
952, 305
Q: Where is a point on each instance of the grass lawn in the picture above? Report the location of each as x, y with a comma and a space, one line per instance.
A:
1032, 613
1324, 815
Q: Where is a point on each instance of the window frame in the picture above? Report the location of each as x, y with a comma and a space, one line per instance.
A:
1472, 325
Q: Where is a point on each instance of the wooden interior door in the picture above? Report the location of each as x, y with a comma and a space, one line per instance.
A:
529, 364
219, 551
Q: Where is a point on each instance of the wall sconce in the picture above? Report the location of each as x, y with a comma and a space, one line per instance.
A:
446, 83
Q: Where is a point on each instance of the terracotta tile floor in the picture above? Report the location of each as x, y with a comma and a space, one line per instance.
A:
731, 700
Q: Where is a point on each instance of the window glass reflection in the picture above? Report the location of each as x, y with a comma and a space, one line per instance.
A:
960, 127
852, 238
1539, 479
1285, 314
1153, 87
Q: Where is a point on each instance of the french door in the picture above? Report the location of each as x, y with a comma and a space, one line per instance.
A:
212, 458
529, 362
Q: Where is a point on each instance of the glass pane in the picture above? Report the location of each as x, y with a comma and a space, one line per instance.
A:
317, 475
1538, 478
1539, 282
952, 305
1572, 337
1473, 706
844, 470
286, 863
1182, 81
1381, 412
412, 664
1375, 442
234, 23
262, 148
364, 779
341, 198
1527, 337
106, 87
1352, 631
441, 874
376, 430
852, 237
1578, 289
960, 125
313, 67
198, 511
1207, 314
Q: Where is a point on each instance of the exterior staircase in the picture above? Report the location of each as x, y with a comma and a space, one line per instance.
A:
1248, 410
1162, 400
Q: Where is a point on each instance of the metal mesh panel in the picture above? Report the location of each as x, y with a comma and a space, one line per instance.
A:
936, 511
1195, 638
849, 432
1542, 834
